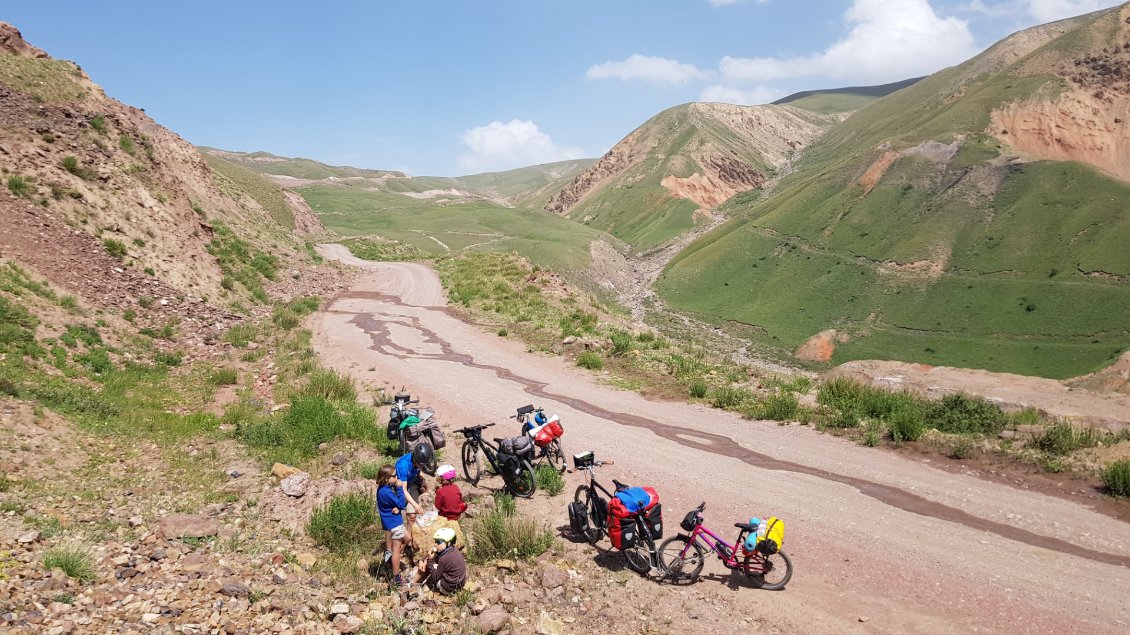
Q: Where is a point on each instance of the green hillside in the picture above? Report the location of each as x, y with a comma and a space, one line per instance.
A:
236, 179
841, 100
267, 163
522, 181
958, 256
547, 240
739, 147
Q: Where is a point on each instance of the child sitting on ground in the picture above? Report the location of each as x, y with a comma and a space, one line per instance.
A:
391, 504
446, 569
449, 500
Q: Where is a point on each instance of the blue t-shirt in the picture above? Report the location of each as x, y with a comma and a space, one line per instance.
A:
405, 470
391, 498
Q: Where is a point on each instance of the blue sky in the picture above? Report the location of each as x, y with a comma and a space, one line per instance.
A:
448, 88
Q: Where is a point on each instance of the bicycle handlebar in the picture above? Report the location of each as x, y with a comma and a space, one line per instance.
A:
469, 429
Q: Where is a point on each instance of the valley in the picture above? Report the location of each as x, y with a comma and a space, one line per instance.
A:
896, 316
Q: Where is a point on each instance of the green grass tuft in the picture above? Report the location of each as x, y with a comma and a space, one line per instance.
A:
590, 360
343, 524
74, 560
1116, 477
549, 480
500, 532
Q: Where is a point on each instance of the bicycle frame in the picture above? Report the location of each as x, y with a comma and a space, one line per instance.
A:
726, 552
489, 451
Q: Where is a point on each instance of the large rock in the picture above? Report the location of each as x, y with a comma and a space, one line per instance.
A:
348, 623
186, 526
553, 577
493, 619
281, 470
295, 485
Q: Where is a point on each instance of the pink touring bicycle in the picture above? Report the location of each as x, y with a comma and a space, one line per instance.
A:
682, 557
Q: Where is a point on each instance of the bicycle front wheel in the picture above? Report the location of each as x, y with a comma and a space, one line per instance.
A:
778, 572
524, 483
680, 560
472, 462
589, 499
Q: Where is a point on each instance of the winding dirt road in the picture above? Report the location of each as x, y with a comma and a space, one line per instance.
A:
910, 547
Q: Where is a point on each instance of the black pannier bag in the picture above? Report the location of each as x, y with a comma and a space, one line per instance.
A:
653, 520
689, 521
578, 517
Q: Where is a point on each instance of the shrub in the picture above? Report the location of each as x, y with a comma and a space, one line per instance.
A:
224, 377
70, 164
621, 342
781, 406
126, 144
590, 360
962, 449
68, 302
114, 247
97, 359
329, 385
501, 533
697, 389
549, 480
1116, 477
906, 425
19, 186
295, 434
129, 315
240, 335
503, 332
98, 122
729, 397
74, 560
342, 524
285, 318
169, 359
1061, 439
961, 413
146, 301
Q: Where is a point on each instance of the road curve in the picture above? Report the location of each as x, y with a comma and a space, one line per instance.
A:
916, 549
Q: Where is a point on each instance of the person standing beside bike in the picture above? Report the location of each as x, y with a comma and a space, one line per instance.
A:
410, 480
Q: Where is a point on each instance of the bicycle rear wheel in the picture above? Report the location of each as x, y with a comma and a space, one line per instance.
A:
778, 572
524, 483
638, 556
591, 502
555, 456
472, 463
680, 560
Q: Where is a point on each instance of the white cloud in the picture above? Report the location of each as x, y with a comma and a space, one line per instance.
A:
1051, 10
653, 70
504, 146
744, 97
889, 40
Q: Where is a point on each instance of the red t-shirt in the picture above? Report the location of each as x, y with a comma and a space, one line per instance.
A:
449, 501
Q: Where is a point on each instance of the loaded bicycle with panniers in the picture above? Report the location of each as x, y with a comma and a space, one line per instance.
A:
546, 434
632, 517
509, 457
757, 553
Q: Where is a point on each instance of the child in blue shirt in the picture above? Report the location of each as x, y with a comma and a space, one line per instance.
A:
391, 504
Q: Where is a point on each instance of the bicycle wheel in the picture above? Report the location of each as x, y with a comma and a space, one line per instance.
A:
472, 462
591, 502
524, 483
679, 562
778, 572
638, 557
555, 456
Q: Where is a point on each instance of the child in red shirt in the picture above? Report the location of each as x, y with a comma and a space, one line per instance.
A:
449, 500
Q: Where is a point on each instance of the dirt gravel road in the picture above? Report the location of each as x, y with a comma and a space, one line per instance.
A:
872, 535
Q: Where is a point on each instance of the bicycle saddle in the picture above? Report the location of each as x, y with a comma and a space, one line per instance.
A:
746, 526
498, 441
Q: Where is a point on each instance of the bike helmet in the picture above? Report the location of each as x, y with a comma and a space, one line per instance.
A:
539, 418
446, 472
423, 456
447, 534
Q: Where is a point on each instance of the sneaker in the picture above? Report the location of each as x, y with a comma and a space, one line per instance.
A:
388, 556
398, 581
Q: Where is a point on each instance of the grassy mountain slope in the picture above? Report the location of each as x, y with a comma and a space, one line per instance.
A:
916, 231
298, 168
837, 100
439, 226
646, 190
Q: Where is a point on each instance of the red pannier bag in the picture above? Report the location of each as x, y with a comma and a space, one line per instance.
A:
547, 433
621, 525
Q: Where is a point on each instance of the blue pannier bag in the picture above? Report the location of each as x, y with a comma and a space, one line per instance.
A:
635, 499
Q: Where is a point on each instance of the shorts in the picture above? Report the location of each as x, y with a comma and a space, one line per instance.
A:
398, 533
442, 588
